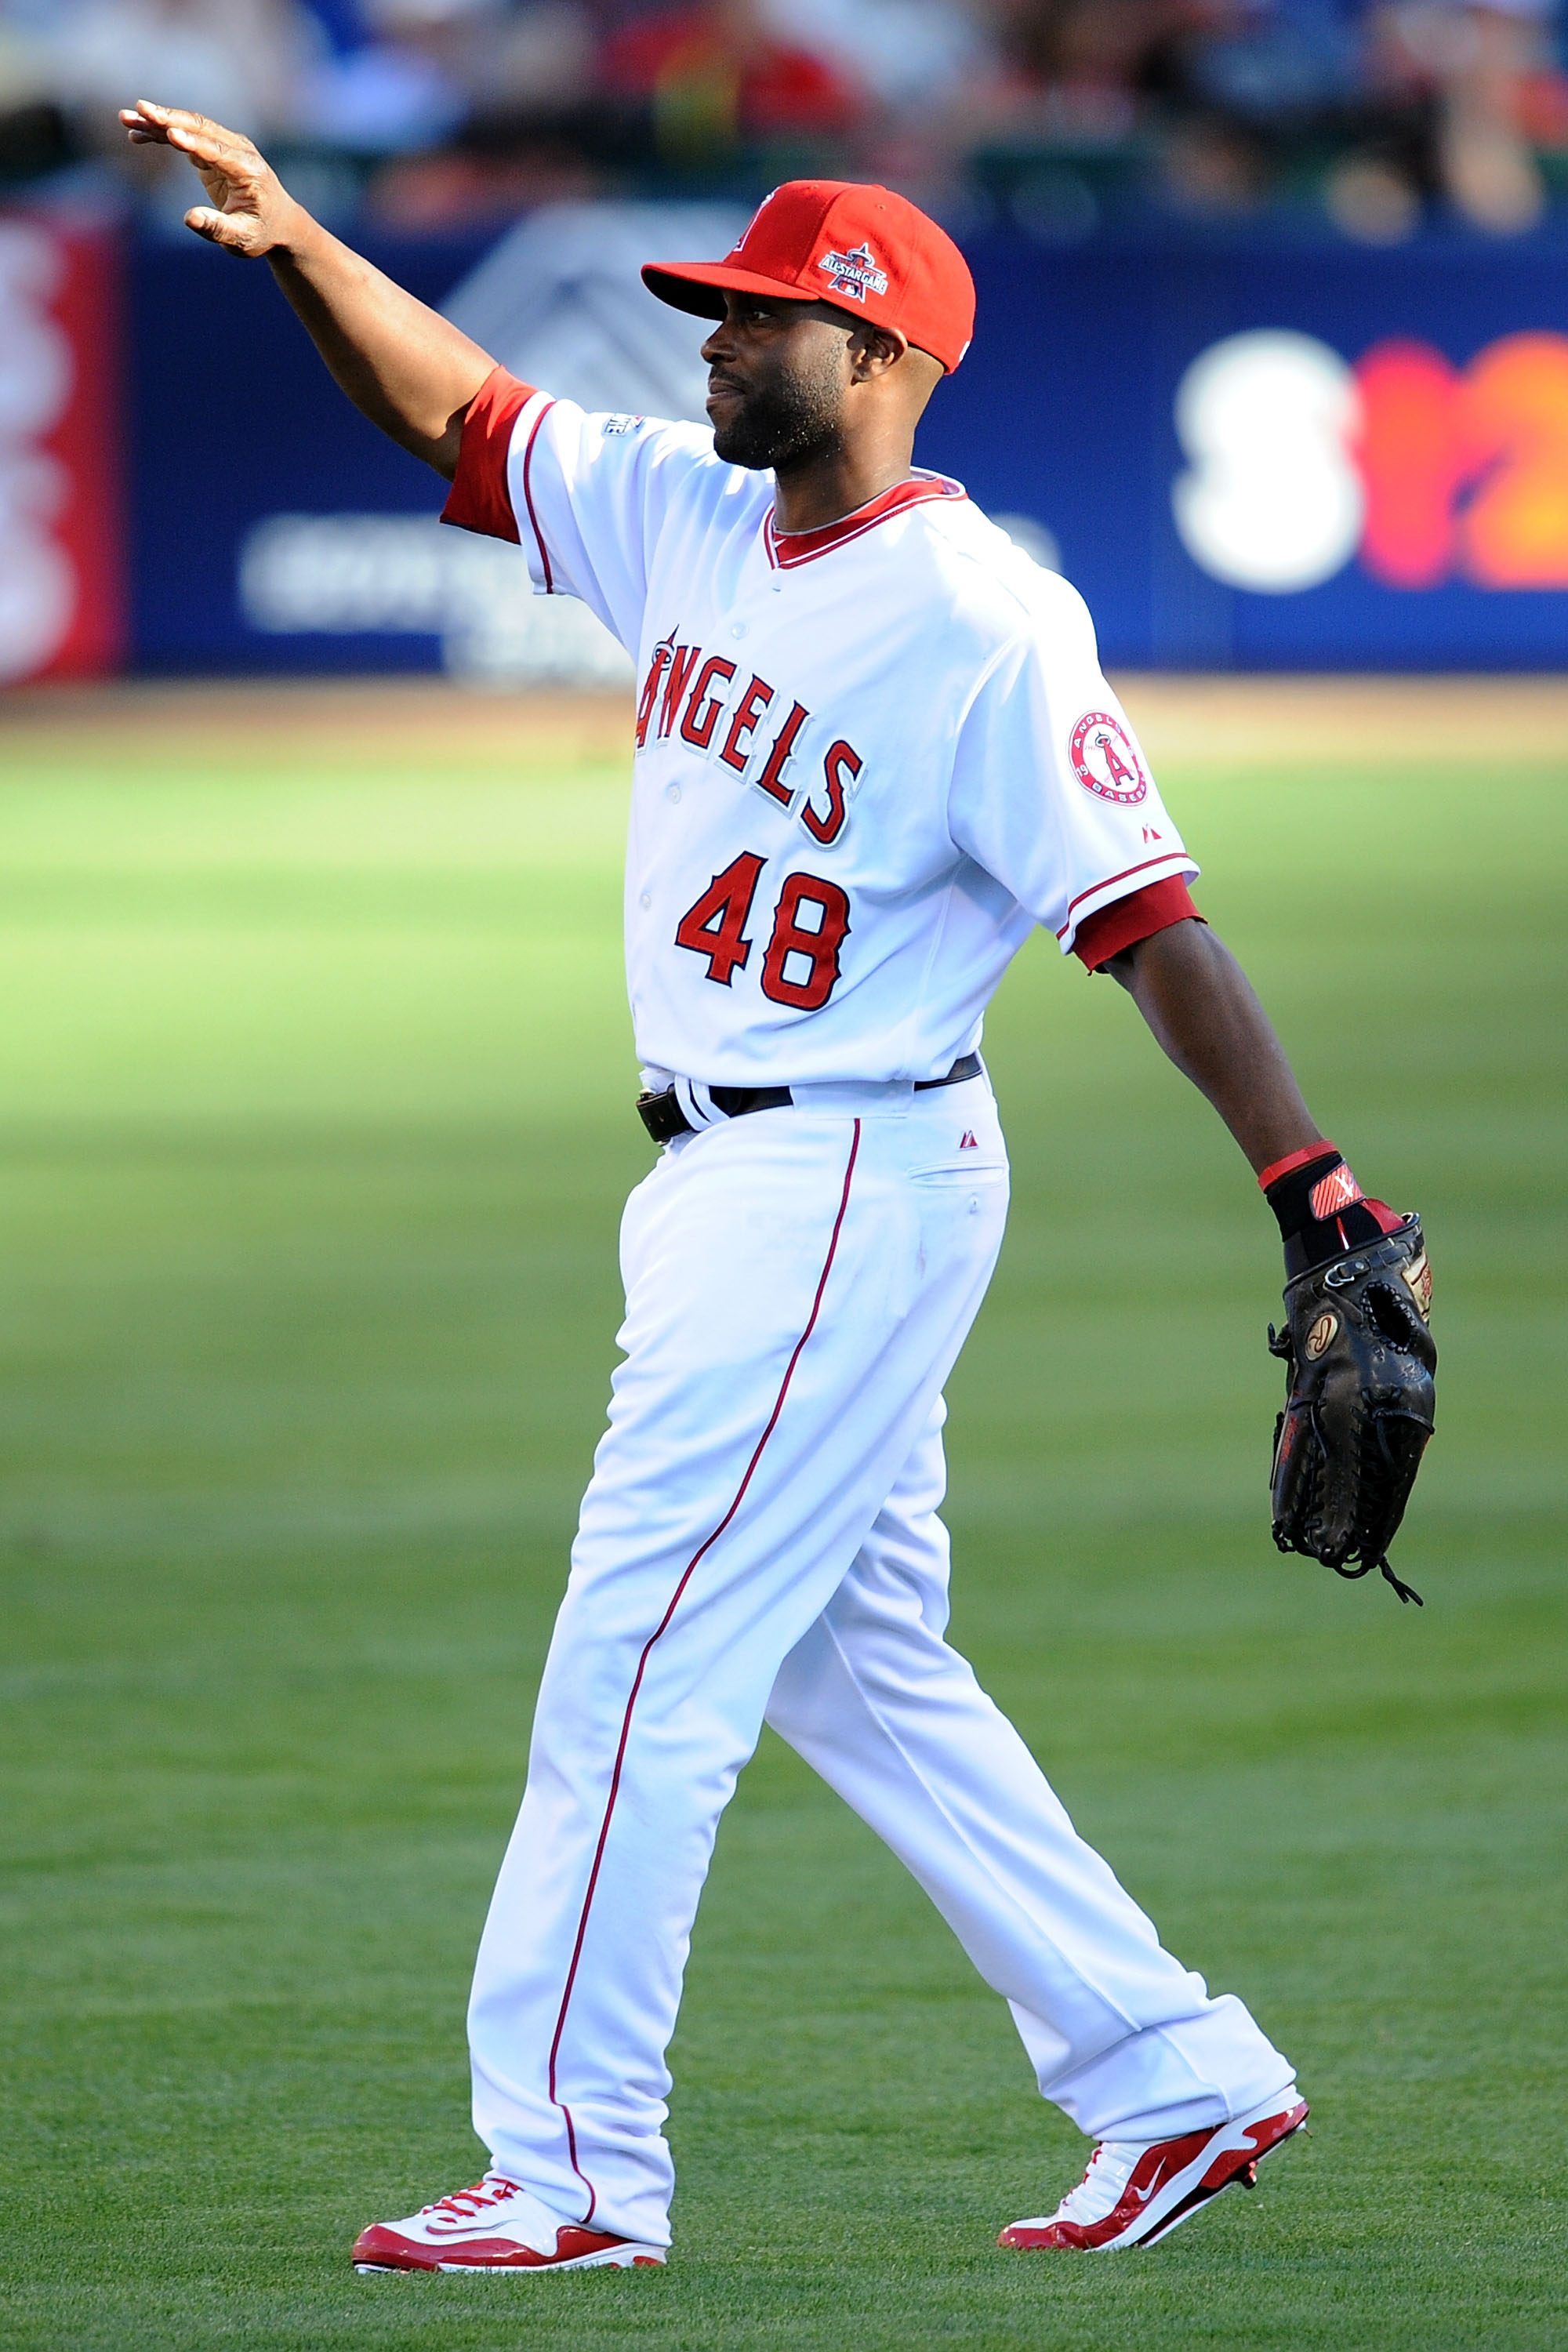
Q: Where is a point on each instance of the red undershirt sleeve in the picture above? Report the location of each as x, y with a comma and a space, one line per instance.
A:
1137, 917
479, 498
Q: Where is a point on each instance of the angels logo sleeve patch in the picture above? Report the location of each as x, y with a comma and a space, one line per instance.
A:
1052, 794
1105, 759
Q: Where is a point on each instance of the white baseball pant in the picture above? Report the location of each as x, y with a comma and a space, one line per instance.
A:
760, 1539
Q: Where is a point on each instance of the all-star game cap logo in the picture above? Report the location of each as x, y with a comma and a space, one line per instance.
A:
854, 273
1105, 760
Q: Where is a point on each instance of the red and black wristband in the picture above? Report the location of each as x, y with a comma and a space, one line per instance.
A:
1320, 1209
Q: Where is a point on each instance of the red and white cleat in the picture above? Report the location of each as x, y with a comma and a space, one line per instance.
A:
495, 2226
1133, 2192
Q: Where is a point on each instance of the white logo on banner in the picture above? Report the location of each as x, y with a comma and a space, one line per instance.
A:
409, 575
1272, 500
37, 582
560, 302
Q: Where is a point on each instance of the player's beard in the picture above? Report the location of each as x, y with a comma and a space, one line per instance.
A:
786, 422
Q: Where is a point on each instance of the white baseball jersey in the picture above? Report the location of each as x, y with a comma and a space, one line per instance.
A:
869, 758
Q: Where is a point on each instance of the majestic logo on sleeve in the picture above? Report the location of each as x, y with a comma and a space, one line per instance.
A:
1104, 760
854, 273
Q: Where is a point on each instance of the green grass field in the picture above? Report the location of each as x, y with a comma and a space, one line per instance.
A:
316, 1082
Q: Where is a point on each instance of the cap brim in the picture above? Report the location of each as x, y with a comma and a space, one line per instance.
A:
700, 287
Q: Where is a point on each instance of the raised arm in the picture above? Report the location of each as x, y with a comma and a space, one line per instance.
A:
406, 366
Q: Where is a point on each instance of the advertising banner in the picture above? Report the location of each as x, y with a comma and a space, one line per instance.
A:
62, 549
1246, 454
1264, 458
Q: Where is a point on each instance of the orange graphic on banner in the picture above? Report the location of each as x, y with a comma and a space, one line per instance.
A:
1466, 473
1514, 531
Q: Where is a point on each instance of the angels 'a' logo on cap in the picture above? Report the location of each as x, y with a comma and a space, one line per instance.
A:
855, 273
756, 216
1104, 759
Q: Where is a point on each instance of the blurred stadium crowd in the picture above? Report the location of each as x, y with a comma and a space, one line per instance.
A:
1061, 117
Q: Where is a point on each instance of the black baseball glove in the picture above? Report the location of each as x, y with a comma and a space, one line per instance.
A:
1359, 1365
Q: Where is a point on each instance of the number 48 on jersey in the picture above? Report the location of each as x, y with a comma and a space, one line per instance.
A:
811, 924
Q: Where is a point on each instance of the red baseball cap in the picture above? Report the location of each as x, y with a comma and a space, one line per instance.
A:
862, 248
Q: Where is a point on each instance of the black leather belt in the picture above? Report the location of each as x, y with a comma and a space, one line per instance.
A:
662, 1115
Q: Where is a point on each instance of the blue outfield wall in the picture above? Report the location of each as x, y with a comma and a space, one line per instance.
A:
1064, 414
233, 418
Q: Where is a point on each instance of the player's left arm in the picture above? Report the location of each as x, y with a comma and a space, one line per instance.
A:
1358, 1351
1204, 1013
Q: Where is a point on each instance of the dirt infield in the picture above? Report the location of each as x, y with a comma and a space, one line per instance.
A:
402, 721
1184, 721
1295, 721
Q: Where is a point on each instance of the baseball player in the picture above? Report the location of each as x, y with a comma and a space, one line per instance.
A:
874, 750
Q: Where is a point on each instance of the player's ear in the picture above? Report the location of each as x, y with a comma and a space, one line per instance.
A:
874, 349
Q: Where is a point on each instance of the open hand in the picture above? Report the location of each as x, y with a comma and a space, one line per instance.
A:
249, 211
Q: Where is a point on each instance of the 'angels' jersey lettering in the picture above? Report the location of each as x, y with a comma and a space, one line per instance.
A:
869, 759
693, 689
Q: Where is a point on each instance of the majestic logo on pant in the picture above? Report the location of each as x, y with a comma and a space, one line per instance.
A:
691, 698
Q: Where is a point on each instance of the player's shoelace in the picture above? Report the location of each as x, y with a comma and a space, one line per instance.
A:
464, 2203
1099, 2191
